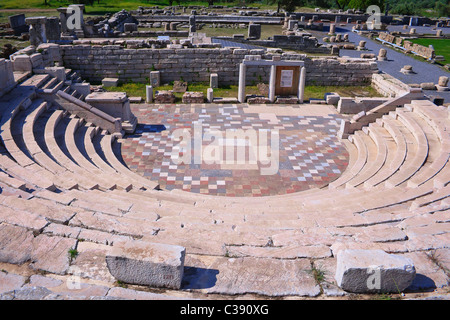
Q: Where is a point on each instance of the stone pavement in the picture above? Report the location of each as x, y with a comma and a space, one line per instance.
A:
310, 154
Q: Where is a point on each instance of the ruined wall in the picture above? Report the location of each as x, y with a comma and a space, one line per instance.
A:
96, 62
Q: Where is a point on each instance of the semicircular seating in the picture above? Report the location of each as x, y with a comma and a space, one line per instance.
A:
394, 196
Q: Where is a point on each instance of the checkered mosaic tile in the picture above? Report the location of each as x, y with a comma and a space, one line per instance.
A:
310, 154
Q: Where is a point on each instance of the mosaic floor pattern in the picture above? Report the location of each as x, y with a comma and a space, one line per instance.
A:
310, 154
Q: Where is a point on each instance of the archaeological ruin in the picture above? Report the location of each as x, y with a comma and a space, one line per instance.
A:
184, 153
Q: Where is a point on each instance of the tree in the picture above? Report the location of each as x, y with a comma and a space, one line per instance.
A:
442, 9
359, 4
288, 5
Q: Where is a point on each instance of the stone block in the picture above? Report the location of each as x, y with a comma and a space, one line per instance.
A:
193, 97
145, 263
332, 98
428, 86
254, 31
214, 80
110, 82
373, 271
22, 63
155, 78
164, 96
57, 72
83, 88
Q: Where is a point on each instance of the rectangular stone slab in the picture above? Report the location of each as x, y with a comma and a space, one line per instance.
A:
373, 271
145, 263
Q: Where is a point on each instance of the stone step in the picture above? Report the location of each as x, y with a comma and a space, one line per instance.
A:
373, 165
106, 144
396, 158
414, 159
54, 138
83, 166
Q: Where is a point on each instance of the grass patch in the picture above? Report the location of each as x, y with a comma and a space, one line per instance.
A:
15, 43
73, 253
311, 92
441, 47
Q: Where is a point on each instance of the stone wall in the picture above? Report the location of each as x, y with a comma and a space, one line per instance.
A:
96, 62
423, 51
7, 81
289, 42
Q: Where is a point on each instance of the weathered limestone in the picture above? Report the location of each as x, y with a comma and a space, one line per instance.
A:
254, 31
214, 80
155, 78
37, 30
382, 55
164, 96
428, 86
407, 70
362, 45
117, 105
144, 263
149, 94
17, 23
192, 25
110, 82
443, 84
83, 88
193, 97
7, 81
129, 27
52, 29
210, 95
57, 72
371, 271
332, 29
292, 24
22, 63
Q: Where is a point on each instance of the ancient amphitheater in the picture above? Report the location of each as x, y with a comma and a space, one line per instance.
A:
73, 214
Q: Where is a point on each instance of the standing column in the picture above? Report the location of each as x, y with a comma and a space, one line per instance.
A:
273, 72
241, 90
301, 84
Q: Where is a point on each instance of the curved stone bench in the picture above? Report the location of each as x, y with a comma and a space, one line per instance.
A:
394, 165
57, 153
98, 163
410, 166
373, 167
84, 166
358, 164
106, 144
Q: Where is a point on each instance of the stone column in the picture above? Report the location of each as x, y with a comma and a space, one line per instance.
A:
149, 94
273, 73
37, 30
301, 85
361, 45
382, 55
192, 27
332, 29
241, 89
